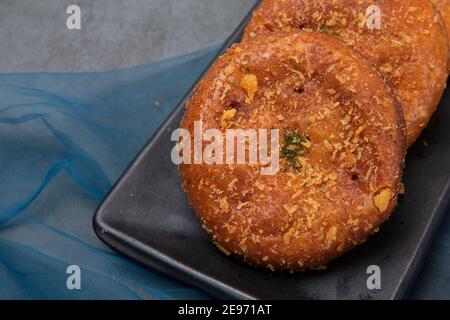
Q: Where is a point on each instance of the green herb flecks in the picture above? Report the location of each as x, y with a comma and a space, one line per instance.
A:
326, 29
294, 148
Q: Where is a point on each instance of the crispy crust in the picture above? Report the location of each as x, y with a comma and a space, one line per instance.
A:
410, 50
443, 7
300, 218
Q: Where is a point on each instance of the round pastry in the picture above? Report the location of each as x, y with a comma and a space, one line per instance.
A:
404, 39
341, 149
443, 7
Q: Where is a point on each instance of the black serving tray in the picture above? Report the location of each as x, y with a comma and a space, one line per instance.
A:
147, 218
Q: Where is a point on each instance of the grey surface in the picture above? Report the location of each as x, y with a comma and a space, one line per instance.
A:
114, 34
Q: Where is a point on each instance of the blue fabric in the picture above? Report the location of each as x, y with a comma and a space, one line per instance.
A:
64, 140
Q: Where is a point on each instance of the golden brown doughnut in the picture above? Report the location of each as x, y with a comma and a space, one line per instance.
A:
410, 50
443, 7
342, 144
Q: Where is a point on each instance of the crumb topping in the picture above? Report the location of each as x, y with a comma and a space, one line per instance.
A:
410, 49
249, 83
341, 143
382, 199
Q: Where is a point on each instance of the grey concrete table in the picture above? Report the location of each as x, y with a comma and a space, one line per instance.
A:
114, 33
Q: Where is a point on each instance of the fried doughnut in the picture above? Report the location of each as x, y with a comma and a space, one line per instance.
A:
410, 49
443, 7
342, 145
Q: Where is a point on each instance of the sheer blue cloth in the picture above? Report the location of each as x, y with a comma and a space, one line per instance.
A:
64, 140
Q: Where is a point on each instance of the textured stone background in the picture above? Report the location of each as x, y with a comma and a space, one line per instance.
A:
114, 34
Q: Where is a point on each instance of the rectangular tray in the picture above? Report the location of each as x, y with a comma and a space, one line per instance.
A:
147, 218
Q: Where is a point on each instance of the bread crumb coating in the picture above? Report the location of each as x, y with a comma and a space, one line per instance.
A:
410, 50
342, 145
443, 6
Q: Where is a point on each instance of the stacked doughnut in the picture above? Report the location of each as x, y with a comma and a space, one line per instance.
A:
349, 85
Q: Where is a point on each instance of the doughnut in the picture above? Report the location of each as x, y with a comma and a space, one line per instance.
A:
443, 7
409, 49
341, 150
